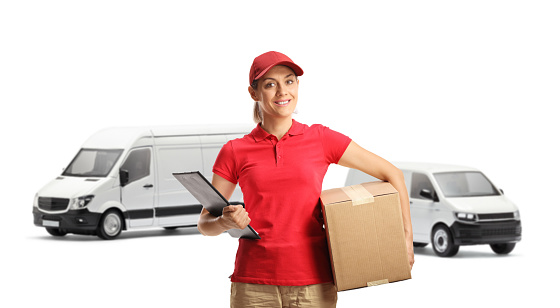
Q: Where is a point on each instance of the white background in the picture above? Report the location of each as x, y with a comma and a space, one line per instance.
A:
472, 82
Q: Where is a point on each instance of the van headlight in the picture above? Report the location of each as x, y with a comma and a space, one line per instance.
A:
80, 202
466, 216
516, 215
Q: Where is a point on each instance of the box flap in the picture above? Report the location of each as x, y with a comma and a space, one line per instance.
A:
377, 188
334, 195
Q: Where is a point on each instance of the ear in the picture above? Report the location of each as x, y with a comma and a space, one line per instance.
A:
253, 94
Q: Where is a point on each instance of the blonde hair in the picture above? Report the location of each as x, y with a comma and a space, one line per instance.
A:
257, 114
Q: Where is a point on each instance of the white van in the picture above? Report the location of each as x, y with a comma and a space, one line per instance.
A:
121, 179
452, 206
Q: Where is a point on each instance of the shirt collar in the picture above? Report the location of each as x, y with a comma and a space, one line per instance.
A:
259, 134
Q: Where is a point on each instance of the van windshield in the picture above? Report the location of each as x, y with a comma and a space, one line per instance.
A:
465, 184
93, 163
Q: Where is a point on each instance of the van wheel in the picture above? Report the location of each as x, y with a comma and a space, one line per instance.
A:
110, 225
502, 248
442, 242
56, 232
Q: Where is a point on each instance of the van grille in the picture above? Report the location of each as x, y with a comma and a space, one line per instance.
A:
495, 216
53, 204
490, 230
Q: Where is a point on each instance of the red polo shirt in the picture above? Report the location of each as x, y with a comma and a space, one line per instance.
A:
281, 183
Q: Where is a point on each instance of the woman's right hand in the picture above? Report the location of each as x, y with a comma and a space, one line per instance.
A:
235, 217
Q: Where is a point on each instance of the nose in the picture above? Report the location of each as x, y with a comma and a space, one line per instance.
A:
280, 90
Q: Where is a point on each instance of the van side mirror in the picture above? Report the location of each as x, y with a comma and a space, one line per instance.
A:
502, 191
123, 177
426, 193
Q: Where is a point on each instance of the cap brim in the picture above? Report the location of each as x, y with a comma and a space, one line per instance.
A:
297, 70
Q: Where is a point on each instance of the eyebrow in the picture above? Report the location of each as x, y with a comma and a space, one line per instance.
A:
275, 79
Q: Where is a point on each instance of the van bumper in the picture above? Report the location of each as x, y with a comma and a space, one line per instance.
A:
74, 221
486, 232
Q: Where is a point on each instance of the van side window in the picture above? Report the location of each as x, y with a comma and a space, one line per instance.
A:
138, 164
419, 181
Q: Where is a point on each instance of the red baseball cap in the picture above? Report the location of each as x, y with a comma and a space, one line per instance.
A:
263, 63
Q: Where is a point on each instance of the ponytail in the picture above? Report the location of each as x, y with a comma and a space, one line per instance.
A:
257, 114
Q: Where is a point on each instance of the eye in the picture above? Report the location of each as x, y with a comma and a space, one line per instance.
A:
290, 81
270, 85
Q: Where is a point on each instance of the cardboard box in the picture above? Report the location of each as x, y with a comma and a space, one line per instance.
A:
365, 235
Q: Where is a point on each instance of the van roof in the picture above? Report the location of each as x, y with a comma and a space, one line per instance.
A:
431, 167
124, 137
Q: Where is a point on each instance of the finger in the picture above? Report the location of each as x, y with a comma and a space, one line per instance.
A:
243, 219
243, 224
229, 208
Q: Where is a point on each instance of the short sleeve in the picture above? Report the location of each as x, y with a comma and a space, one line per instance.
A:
334, 144
225, 165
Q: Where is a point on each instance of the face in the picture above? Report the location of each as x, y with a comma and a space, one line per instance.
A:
277, 92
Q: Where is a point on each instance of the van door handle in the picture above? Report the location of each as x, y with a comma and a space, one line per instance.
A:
148, 186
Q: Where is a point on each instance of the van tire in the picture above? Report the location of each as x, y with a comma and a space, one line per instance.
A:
502, 248
56, 232
442, 242
110, 225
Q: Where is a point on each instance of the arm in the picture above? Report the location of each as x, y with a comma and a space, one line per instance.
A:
233, 216
359, 158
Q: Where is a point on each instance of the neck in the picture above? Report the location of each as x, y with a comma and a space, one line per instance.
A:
277, 126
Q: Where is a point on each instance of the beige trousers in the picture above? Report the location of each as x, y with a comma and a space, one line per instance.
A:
244, 295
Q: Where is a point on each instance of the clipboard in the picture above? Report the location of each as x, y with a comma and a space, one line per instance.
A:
211, 199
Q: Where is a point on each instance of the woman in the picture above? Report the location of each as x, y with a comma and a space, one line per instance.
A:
280, 168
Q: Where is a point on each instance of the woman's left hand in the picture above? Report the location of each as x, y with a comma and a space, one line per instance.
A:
410, 252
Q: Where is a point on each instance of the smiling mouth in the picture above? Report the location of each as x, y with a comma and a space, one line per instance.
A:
282, 103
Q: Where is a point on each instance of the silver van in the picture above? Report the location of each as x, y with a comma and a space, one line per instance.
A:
121, 179
451, 206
